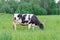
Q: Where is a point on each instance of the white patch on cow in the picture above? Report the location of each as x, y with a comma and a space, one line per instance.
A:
31, 15
15, 15
29, 26
19, 21
27, 16
23, 14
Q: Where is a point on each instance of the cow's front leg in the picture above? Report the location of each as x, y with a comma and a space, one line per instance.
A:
14, 26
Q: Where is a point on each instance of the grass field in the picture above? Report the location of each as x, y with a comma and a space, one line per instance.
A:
51, 29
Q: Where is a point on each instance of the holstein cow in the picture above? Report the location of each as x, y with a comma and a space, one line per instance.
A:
26, 19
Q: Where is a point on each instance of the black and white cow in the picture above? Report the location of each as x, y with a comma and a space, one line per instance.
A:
27, 19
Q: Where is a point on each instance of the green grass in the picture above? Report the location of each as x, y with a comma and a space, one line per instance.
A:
51, 29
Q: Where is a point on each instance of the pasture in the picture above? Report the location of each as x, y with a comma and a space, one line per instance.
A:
51, 29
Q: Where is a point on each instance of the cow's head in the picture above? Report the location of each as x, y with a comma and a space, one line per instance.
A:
18, 18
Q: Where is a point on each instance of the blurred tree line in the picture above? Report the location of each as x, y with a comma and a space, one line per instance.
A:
38, 7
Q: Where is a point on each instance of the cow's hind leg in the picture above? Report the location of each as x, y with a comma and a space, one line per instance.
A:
33, 26
29, 26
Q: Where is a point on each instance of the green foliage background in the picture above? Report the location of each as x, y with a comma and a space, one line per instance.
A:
38, 7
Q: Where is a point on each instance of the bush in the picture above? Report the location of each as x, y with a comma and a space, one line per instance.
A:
8, 7
37, 7
55, 11
24, 8
39, 10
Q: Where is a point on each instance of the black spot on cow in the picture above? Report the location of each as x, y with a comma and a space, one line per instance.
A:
20, 16
23, 18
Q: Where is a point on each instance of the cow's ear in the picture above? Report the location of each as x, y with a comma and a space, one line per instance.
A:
20, 16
